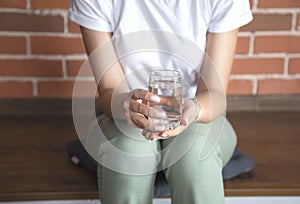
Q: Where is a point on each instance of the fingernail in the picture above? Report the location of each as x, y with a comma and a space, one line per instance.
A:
154, 99
154, 139
164, 135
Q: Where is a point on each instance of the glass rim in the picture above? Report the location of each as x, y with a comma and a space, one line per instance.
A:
166, 73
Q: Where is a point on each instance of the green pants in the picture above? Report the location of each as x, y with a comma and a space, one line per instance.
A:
192, 163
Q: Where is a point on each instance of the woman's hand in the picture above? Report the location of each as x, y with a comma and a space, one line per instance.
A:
139, 111
190, 113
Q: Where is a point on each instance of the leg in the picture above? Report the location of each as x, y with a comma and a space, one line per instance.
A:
197, 176
120, 188
126, 172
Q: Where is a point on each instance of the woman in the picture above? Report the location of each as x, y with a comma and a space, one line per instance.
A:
172, 27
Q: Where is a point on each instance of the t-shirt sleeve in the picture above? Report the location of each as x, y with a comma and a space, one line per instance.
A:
228, 15
92, 14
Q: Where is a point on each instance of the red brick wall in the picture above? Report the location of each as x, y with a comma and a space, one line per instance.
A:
41, 51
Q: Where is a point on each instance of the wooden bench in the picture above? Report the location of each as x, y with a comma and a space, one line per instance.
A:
34, 164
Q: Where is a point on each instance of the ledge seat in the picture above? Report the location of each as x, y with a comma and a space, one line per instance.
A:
34, 164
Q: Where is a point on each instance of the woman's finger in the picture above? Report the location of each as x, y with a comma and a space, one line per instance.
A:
136, 106
172, 133
150, 135
139, 120
145, 95
189, 113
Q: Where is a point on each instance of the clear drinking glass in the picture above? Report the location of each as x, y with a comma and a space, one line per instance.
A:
167, 84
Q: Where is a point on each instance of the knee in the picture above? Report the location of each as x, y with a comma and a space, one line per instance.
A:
191, 171
192, 182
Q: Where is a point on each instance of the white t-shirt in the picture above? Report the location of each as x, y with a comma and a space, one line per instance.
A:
152, 34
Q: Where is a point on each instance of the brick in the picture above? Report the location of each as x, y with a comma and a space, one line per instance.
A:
64, 89
31, 68
49, 4
294, 66
14, 89
240, 87
269, 22
31, 22
57, 45
13, 4
73, 27
258, 66
13, 45
243, 44
277, 44
73, 67
279, 4
279, 86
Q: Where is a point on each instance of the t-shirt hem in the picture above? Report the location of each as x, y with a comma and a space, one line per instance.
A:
226, 26
89, 23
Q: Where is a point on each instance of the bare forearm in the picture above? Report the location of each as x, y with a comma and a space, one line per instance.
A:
211, 94
105, 103
113, 104
212, 105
